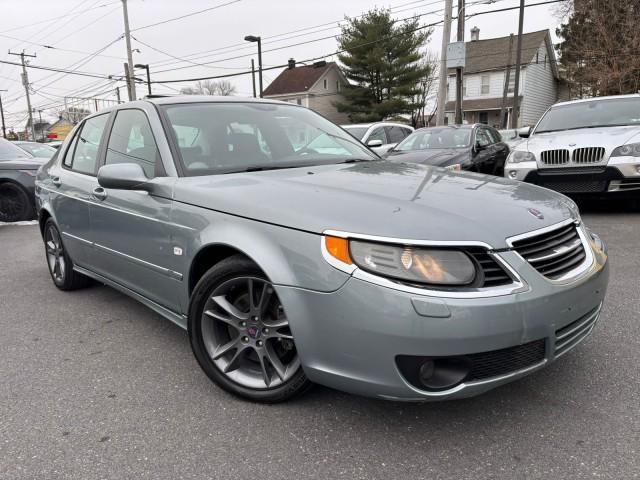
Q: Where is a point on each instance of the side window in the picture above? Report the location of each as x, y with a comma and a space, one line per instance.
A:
87, 144
131, 141
68, 156
482, 137
378, 134
395, 134
495, 136
406, 132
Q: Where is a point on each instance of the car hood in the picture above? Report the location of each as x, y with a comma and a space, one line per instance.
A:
436, 157
22, 164
389, 199
608, 137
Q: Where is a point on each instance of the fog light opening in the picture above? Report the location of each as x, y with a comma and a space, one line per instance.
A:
443, 373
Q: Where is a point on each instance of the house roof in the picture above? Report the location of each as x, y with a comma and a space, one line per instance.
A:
481, 104
493, 53
297, 79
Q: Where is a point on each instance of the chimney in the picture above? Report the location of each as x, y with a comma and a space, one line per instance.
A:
475, 34
292, 64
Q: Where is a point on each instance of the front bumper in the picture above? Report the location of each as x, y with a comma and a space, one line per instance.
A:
351, 339
621, 174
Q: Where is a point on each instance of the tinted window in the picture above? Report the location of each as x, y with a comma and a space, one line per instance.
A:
38, 149
494, 135
68, 157
218, 138
482, 137
378, 134
395, 134
85, 156
131, 141
357, 132
436, 138
8, 151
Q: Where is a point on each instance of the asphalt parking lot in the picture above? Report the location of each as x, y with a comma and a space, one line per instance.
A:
96, 386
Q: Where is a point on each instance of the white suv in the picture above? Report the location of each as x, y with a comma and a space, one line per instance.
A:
380, 136
584, 146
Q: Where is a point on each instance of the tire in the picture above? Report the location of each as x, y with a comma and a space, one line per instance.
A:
244, 346
14, 203
58, 261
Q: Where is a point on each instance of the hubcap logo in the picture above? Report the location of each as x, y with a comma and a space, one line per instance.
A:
536, 213
253, 332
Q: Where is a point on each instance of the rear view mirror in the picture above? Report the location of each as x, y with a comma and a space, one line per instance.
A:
524, 132
374, 143
123, 176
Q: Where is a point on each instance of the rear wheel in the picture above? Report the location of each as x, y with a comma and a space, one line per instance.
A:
60, 264
240, 334
14, 203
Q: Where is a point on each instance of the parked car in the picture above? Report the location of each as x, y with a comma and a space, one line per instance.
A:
17, 182
288, 266
511, 137
457, 147
39, 150
379, 136
589, 146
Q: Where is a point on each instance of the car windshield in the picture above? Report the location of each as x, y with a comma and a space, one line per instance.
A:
8, 151
508, 134
433, 138
38, 149
218, 138
357, 132
591, 114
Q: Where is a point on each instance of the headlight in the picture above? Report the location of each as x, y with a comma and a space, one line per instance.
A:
411, 264
517, 156
629, 150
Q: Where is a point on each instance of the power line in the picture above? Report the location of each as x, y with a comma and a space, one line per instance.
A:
185, 16
52, 69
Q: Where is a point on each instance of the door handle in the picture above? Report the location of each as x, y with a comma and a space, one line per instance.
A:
56, 181
99, 193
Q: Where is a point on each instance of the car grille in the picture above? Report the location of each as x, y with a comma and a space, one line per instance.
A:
494, 275
588, 155
569, 336
507, 360
579, 186
553, 253
554, 157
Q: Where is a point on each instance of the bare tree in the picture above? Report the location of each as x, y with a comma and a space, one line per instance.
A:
424, 90
210, 87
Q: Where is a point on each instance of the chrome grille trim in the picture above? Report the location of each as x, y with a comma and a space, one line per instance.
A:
588, 155
554, 157
571, 335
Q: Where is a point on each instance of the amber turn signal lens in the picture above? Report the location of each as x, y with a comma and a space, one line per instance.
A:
338, 248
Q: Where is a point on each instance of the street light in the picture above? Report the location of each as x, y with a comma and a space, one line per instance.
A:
146, 67
253, 38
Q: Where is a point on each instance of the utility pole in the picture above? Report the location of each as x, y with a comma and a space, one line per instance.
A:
505, 91
442, 85
25, 82
253, 77
128, 76
4, 128
127, 37
516, 87
41, 131
459, 80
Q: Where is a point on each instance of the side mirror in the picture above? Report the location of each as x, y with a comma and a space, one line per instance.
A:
374, 143
524, 132
123, 176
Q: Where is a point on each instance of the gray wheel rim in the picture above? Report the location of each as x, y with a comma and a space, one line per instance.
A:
55, 255
246, 334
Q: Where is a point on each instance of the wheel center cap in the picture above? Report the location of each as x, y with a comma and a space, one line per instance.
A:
253, 332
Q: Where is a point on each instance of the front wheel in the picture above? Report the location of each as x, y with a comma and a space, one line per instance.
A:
240, 334
14, 203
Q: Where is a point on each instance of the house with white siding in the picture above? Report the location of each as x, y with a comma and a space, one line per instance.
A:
485, 72
316, 86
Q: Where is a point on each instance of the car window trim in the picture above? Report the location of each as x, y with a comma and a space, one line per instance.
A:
109, 127
100, 146
172, 140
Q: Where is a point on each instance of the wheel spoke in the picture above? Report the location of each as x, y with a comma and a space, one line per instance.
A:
275, 362
235, 360
263, 366
51, 247
265, 296
223, 303
229, 321
224, 349
279, 323
277, 334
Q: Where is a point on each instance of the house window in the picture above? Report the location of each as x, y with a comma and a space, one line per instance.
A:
484, 84
299, 101
325, 83
338, 86
512, 82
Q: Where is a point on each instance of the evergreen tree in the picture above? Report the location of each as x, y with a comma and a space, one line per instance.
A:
382, 59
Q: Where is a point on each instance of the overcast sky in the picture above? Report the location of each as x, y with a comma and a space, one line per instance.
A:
88, 26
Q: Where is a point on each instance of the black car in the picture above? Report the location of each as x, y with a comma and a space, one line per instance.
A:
478, 148
17, 174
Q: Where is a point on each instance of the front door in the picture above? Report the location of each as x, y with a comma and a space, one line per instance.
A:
131, 229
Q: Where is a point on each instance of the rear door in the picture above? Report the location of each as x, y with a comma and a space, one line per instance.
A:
483, 158
131, 230
501, 152
71, 182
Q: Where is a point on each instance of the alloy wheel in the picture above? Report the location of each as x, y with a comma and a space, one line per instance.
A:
55, 254
246, 334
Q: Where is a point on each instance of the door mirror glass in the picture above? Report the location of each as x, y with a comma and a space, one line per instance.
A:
123, 176
374, 143
524, 132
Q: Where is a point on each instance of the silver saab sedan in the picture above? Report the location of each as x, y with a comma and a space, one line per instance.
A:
293, 255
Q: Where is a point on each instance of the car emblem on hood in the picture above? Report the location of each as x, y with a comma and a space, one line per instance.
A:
536, 213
